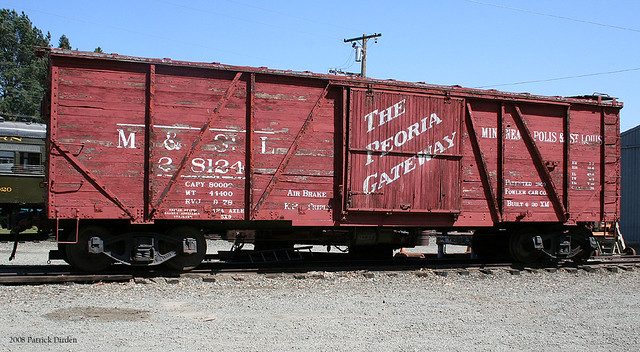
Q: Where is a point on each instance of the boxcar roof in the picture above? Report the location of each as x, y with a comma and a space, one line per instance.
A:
354, 81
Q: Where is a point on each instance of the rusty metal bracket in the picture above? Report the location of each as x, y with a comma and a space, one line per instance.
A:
75, 241
196, 143
482, 167
407, 154
80, 147
540, 165
447, 96
291, 152
65, 187
91, 177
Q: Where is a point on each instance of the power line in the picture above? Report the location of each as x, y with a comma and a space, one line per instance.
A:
554, 16
560, 78
347, 62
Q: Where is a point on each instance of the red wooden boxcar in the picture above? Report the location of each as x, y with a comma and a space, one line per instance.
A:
145, 154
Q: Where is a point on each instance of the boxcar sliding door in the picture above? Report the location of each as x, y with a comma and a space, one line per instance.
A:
403, 152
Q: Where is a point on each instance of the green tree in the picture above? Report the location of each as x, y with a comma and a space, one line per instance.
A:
98, 50
22, 74
63, 43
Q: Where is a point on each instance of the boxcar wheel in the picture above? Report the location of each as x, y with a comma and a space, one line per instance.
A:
580, 240
78, 254
185, 261
521, 246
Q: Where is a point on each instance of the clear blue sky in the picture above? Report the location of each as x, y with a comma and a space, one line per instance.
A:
484, 43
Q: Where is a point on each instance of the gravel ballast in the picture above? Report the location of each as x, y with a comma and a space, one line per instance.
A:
325, 311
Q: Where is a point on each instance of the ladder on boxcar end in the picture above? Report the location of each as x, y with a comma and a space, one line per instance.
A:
612, 243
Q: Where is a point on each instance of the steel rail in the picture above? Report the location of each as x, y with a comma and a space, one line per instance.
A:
457, 264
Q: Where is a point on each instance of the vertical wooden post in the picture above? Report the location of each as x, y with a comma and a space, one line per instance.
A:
251, 112
148, 136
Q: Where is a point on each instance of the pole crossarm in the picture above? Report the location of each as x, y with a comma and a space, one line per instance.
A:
364, 38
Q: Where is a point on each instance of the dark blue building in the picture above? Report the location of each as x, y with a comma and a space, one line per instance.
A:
630, 172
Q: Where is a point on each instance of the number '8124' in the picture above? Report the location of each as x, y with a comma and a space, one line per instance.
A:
198, 165
220, 166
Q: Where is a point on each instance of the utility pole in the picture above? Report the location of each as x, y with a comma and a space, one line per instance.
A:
363, 40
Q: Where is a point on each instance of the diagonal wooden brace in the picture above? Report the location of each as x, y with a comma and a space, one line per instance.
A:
482, 167
536, 156
196, 142
91, 177
293, 148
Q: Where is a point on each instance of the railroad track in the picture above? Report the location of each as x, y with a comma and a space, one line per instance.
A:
53, 274
456, 265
